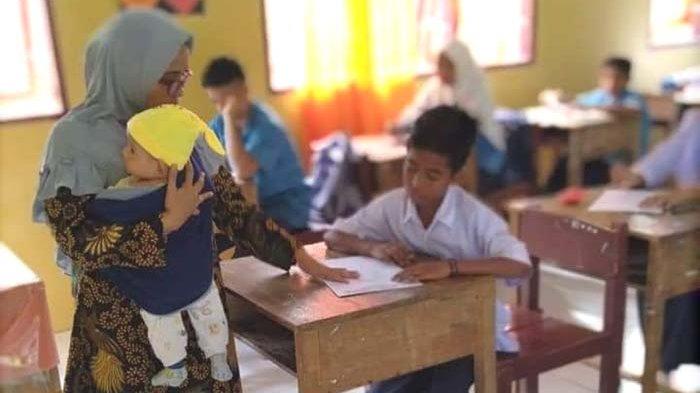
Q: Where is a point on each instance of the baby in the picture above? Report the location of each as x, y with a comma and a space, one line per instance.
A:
158, 139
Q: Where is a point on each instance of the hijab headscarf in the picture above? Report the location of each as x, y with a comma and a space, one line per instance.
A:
123, 61
471, 92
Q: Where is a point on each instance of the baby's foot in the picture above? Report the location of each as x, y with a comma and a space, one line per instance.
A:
172, 377
220, 370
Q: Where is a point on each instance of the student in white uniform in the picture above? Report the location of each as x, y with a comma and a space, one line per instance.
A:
676, 161
436, 230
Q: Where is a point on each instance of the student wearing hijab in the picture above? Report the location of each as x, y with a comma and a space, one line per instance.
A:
138, 60
460, 82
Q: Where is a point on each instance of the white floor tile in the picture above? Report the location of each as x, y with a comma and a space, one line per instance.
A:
579, 299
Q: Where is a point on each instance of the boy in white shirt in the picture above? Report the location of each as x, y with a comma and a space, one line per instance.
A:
434, 229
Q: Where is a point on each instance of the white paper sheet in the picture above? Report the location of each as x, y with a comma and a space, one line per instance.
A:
624, 201
375, 276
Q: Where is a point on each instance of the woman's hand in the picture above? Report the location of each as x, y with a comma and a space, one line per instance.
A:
335, 274
320, 271
424, 271
182, 202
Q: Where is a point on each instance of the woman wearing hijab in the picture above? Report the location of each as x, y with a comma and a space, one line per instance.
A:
138, 60
460, 82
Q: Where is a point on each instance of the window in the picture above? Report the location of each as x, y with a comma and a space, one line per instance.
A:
29, 83
498, 32
674, 22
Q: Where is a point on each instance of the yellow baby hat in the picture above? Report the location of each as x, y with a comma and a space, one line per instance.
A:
169, 132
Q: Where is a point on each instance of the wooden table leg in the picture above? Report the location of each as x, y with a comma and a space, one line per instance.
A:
485, 355
308, 361
574, 165
653, 316
232, 357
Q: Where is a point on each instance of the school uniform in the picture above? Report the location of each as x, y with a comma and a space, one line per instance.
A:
470, 93
282, 193
463, 228
626, 99
596, 172
677, 159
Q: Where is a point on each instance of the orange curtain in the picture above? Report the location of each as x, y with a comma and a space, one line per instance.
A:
361, 60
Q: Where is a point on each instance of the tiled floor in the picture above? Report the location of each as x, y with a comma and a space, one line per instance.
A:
573, 298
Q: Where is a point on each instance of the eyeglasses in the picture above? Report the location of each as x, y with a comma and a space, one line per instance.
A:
174, 81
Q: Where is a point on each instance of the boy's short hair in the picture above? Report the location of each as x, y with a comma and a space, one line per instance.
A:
620, 64
222, 71
447, 131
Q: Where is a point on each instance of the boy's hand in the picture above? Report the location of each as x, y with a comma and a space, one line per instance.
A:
426, 271
622, 176
677, 199
662, 201
392, 252
230, 107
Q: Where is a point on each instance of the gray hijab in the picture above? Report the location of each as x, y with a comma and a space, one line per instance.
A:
123, 61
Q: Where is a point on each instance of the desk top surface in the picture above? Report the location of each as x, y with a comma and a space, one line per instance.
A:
572, 118
14, 272
379, 148
640, 225
295, 300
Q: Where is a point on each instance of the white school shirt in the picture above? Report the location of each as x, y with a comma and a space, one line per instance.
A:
677, 158
463, 229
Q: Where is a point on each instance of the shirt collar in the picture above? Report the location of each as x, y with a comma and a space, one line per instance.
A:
445, 214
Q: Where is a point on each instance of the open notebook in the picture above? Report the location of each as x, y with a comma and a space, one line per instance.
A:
624, 201
375, 276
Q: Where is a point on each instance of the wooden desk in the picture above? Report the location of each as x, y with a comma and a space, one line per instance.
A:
334, 344
590, 133
381, 163
28, 354
663, 111
673, 260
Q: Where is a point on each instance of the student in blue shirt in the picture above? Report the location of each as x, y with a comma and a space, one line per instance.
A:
435, 229
257, 145
613, 95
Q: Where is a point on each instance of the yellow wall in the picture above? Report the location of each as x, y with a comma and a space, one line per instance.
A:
572, 37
